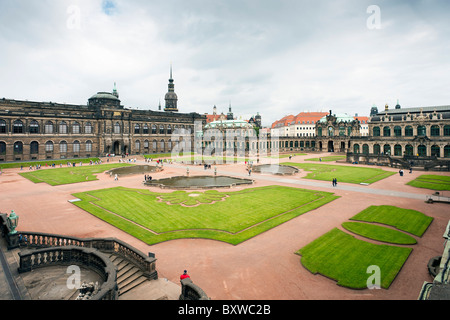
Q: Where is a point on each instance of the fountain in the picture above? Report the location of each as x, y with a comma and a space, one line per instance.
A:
139, 169
198, 182
275, 169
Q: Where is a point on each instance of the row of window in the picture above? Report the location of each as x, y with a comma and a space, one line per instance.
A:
435, 131
18, 127
421, 150
49, 147
75, 128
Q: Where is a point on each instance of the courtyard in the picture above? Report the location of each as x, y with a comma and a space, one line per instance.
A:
263, 265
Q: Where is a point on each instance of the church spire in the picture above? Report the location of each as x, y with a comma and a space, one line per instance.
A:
171, 97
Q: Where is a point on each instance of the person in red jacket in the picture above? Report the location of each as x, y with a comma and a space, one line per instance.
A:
184, 275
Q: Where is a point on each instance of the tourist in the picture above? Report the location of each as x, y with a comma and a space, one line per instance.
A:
184, 275
116, 178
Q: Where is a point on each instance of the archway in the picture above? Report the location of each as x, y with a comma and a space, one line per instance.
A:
116, 148
330, 146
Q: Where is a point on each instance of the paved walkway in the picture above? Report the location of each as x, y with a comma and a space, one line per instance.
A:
264, 267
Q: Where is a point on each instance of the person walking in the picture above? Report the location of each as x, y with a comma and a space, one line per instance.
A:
184, 275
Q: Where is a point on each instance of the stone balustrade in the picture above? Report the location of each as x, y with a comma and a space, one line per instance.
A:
107, 245
69, 255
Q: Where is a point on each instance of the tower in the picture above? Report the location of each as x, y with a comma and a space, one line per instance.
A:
230, 115
115, 92
171, 97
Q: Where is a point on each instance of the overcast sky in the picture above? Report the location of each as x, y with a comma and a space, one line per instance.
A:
275, 57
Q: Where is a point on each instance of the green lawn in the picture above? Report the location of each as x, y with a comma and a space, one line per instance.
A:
281, 156
327, 158
66, 175
44, 163
341, 257
379, 233
407, 220
433, 182
230, 216
347, 174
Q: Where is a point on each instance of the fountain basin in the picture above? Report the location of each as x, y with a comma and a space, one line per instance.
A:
198, 182
275, 169
138, 169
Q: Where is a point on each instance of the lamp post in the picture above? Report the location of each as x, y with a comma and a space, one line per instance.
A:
12, 237
13, 221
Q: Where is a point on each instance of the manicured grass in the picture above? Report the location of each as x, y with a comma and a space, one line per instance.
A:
347, 174
407, 220
339, 256
379, 233
281, 156
342, 257
230, 216
327, 158
44, 163
433, 182
66, 175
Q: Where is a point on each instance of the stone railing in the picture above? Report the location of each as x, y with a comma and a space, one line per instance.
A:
68, 255
39, 240
190, 291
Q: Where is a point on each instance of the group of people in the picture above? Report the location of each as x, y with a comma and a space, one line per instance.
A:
147, 177
334, 182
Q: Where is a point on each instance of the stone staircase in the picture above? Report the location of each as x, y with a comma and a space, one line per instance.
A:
128, 275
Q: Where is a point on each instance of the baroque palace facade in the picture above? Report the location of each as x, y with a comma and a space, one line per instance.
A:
46, 130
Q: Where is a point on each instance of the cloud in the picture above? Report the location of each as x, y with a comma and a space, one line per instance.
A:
272, 57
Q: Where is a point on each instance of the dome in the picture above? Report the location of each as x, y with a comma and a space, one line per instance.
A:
104, 95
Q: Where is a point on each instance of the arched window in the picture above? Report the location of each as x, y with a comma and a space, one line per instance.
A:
18, 126
422, 151
421, 131
89, 146
145, 129
447, 131
34, 127
161, 129
18, 147
409, 150
2, 126
365, 149
386, 131
356, 148
62, 127
76, 128
117, 128
319, 131
409, 131
146, 144
169, 129
376, 131
2, 148
88, 128
397, 150
76, 146
446, 151
63, 147
137, 145
387, 149
376, 149
397, 131
330, 131
48, 127
154, 145
49, 146
435, 131
137, 129
169, 145
435, 151
34, 147
161, 145
153, 129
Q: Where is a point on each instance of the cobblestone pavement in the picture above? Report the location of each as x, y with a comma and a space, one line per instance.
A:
262, 268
